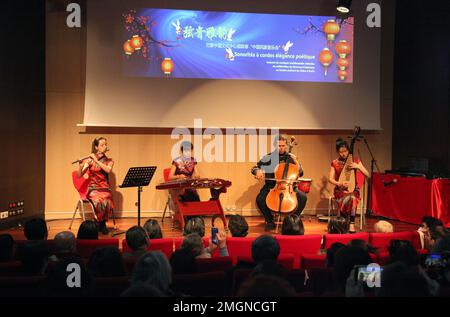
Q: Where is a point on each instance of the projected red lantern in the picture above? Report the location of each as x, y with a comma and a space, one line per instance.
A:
342, 74
343, 48
331, 28
128, 48
136, 42
167, 66
326, 58
342, 63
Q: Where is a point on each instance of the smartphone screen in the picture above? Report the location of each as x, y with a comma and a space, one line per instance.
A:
214, 231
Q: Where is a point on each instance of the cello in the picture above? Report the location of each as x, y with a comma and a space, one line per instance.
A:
282, 198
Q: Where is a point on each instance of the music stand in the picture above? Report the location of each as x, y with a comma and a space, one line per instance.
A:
138, 177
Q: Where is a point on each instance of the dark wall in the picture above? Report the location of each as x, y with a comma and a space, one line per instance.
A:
22, 104
421, 119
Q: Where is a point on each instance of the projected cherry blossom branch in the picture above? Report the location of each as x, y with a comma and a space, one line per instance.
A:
140, 28
312, 28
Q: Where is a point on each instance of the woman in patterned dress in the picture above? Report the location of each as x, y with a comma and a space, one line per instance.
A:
348, 202
98, 166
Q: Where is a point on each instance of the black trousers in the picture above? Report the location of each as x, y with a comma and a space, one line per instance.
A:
267, 213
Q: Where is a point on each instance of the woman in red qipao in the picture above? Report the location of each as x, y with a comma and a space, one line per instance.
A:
348, 202
98, 166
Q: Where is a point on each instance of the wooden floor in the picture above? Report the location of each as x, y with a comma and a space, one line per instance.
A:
256, 226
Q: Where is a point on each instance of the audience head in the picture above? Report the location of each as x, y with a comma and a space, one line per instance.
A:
88, 230
360, 243
403, 251
266, 286
331, 253
153, 269
292, 225
194, 243
238, 226
195, 225
438, 232
107, 262
136, 238
153, 229
34, 257
430, 222
6, 247
183, 261
265, 247
344, 261
58, 276
36, 229
64, 242
338, 225
399, 280
383, 226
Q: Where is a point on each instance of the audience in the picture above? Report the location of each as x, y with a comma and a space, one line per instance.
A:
338, 225
265, 247
153, 269
36, 229
136, 238
64, 244
6, 247
194, 243
403, 251
238, 226
195, 225
153, 229
142, 290
399, 280
292, 225
183, 261
344, 261
88, 230
58, 277
331, 253
34, 256
383, 226
107, 262
428, 223
440, 239
266, 286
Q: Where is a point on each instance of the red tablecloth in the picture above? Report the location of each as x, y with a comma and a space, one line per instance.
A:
410, 198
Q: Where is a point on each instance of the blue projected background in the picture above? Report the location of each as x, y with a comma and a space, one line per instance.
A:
230, 45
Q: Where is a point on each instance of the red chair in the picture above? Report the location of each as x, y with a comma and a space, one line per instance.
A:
30, 286
110, 286
240, 247
299, 245
11, 268
81, 184
86, 247
165, 245
201, 284
330, 238
309, 261
381, 241
223, 263
166, 173
19, 243
285, 260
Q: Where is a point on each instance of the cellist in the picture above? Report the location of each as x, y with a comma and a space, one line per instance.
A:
265, 169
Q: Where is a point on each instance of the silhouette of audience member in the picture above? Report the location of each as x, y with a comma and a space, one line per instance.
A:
238, 226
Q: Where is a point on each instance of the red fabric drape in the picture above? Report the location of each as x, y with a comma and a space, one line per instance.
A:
410, 198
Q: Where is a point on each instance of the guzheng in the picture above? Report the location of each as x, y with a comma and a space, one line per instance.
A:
195, 183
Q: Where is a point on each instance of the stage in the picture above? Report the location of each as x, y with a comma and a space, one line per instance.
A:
256, 227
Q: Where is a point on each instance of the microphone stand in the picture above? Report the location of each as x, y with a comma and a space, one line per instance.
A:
373, 163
